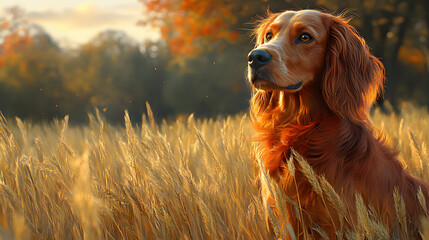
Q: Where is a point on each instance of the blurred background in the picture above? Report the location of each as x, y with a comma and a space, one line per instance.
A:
62, 58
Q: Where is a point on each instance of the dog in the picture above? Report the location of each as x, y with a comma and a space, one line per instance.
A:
314, 81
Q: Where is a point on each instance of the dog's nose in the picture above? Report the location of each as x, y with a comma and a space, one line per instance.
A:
258, 58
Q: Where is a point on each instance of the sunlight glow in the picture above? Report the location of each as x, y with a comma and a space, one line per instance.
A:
76, 24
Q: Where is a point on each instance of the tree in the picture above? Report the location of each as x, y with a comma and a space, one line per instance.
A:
31, 81
112, 73
208, 42
212, 84
14, 35
191, 27
425, 36
188, 25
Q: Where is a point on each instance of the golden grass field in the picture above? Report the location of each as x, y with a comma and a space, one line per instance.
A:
183, 179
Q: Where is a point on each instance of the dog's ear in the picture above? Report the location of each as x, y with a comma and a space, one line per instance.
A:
352, 77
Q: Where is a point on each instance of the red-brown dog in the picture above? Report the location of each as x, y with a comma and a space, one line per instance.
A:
315, 81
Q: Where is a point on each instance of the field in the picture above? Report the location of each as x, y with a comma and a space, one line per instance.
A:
183, 179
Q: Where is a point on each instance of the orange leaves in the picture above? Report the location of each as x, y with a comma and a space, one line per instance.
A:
11, 44
15, 41
13, 37
414, 56
4, 25
191, 26
181, 45
179, 21
157, 5
234, 35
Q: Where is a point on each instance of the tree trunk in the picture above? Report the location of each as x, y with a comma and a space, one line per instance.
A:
380, 48
401, 34
426, 49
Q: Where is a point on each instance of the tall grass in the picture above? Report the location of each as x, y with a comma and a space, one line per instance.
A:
183, 179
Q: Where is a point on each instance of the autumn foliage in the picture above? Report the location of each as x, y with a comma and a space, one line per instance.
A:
13, 35
188, 25
197, 66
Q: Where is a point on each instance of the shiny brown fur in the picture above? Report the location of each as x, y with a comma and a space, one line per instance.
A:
326, 121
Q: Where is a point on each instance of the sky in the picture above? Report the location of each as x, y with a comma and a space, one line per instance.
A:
75, 22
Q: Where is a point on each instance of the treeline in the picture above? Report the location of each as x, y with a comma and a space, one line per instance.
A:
198, 66
114, 73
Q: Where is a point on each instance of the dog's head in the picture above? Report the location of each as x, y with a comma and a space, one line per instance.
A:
298, 48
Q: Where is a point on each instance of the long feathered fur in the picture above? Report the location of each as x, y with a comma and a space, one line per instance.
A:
327, 123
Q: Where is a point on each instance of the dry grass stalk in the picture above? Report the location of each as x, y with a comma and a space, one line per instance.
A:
182, 179
400, 211
422, 201
335, 200
308, 172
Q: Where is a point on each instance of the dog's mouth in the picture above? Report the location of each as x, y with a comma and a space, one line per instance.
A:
262, 81
294, 86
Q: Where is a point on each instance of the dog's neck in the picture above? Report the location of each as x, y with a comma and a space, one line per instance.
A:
302, 121
272, 109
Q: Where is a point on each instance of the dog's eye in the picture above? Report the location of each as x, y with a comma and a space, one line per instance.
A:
268, 37
304, 38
